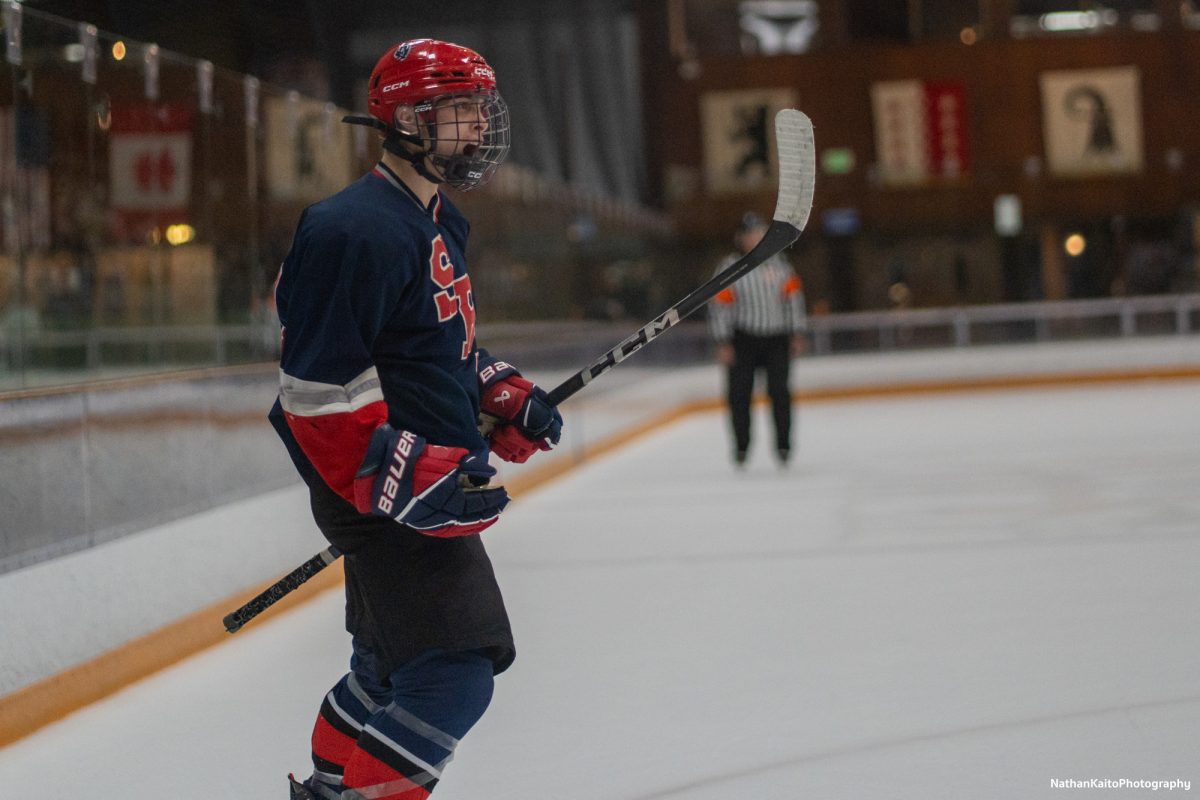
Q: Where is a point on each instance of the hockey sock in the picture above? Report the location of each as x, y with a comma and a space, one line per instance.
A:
404, 746
343, 713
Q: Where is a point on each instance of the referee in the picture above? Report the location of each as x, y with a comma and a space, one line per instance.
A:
759, 322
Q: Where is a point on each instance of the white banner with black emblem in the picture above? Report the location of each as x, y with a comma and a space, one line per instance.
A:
1092, 121
739, 133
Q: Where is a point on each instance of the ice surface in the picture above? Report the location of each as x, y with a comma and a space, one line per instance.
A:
945, 597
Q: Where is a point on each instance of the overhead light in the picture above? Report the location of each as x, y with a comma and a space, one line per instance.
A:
1075, 244
1068, 21
1058, 21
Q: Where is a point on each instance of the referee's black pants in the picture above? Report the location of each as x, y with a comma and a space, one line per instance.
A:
751, 353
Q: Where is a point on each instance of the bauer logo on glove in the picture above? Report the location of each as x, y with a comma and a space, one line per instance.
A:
436, 490
527, 423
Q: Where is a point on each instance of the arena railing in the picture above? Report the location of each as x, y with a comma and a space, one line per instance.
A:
76, 356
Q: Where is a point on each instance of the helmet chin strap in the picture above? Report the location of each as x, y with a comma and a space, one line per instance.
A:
394, 141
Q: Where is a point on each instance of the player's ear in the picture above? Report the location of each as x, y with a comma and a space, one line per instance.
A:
404, 119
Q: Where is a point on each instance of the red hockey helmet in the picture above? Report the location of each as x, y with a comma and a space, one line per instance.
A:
449, 108
425, 69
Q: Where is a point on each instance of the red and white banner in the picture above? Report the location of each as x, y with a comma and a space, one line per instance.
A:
150, 161
920, 131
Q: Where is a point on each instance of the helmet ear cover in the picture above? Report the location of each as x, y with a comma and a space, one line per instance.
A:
404, 121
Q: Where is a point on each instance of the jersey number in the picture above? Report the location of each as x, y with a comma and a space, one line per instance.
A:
455, 297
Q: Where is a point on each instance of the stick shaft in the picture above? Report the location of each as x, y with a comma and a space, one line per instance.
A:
778, 236
276, 591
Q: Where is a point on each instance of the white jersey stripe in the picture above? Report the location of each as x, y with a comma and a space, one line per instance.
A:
313, 399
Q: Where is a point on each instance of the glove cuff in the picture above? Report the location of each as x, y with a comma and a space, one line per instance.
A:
493, 372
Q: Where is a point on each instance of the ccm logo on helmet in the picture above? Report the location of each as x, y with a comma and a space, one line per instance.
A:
485, 72
391, 87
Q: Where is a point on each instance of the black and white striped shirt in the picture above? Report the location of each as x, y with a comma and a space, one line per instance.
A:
768, 301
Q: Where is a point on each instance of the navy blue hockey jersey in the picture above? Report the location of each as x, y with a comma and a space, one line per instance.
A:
378, 325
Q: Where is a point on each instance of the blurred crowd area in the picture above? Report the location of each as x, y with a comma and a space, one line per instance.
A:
149, 198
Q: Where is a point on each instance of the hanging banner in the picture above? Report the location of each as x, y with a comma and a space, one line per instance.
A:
12, 33
899, 111
1092, 121
150, 161
739, 138
250, 91
204, 86
25, 177
308, 156
946, 128
89, 39
151, 61
920, 131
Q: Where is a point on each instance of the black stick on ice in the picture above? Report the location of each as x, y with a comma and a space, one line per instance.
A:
797, 178
293, 580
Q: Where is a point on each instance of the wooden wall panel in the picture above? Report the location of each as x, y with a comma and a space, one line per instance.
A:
1004, 120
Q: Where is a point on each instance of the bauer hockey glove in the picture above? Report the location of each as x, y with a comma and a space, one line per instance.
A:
439, 491
528, 423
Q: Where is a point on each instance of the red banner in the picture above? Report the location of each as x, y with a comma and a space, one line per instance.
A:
946, 129
920, 131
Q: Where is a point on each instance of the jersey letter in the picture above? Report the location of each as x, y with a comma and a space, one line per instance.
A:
456, 297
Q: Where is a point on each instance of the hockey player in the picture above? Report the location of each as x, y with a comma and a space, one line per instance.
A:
381, 389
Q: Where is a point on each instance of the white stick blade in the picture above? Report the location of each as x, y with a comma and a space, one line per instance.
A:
797, 167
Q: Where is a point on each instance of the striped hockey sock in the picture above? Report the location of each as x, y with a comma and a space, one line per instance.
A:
364, 750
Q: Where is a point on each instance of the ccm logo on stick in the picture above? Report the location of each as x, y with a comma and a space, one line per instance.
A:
391, 484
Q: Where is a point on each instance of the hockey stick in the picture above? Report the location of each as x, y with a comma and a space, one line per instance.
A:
797, 178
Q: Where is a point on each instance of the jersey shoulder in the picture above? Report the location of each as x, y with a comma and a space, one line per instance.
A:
362, 227
366, 209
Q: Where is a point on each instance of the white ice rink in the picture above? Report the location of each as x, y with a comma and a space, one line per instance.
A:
946, 596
